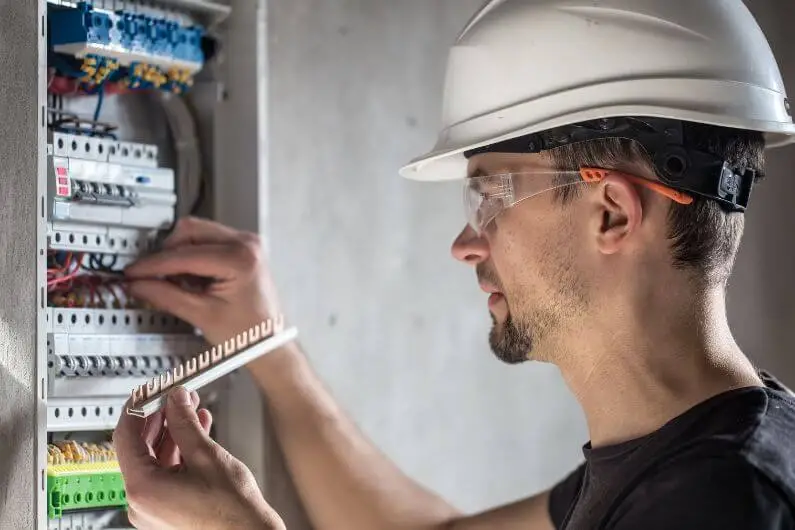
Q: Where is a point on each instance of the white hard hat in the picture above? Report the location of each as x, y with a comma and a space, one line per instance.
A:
525, 66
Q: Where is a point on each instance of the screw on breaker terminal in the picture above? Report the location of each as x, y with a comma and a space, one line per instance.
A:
148, 398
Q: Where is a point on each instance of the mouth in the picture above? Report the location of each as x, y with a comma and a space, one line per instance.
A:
495, 296
495, 299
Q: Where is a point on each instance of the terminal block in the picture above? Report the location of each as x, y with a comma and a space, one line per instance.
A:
138, 49
83, 477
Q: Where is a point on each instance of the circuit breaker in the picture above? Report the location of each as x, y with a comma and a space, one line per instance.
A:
108, 200
120, 116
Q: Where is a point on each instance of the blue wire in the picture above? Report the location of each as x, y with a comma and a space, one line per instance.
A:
100, 97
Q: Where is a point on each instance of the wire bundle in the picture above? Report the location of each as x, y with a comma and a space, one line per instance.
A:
72, 452
67, 287
190, 179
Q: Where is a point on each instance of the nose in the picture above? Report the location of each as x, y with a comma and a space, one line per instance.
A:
469, 247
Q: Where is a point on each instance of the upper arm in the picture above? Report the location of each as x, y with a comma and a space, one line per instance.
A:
528, 514
709, 494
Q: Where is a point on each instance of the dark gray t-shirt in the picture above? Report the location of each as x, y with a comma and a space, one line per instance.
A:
726, 464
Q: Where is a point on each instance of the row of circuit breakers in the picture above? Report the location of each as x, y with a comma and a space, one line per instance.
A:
107, 200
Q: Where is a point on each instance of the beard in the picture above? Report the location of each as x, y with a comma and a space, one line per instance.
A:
512, 343
518, 339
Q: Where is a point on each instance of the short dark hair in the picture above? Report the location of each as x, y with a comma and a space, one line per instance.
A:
704, 235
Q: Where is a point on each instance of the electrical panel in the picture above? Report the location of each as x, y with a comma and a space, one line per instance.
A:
111, 195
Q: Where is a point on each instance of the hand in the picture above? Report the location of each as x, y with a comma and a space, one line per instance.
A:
176, 476
237, 291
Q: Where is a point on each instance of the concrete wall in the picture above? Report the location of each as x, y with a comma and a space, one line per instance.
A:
394, 326
762, 294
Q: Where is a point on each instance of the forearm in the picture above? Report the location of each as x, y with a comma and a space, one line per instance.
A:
343, 480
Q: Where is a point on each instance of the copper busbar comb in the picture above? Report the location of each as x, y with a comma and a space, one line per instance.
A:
211, 365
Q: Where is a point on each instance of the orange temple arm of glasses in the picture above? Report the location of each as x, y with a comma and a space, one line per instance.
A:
590, 174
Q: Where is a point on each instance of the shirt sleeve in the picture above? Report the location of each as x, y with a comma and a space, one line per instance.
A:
709, 494
563, 495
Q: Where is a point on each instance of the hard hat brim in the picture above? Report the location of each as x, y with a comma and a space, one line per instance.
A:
447, 162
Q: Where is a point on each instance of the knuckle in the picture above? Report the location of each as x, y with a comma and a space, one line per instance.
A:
249, 251
188, 221
238, 473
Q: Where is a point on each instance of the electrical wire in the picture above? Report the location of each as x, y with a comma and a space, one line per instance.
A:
190, 177
80, 280
100, 97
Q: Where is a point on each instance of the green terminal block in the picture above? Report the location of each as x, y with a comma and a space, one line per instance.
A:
84, 487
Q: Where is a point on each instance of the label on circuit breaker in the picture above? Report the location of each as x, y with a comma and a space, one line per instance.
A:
63, 184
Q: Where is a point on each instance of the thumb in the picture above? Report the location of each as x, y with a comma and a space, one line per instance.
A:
185, 428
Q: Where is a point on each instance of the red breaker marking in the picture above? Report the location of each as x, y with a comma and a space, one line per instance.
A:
63, 182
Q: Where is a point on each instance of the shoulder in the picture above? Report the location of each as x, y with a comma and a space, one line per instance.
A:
562, 496
706, 492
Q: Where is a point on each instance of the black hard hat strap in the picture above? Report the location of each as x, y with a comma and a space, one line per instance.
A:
689, 170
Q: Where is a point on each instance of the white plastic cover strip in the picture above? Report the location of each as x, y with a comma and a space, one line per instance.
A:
98, 238
104, 150
90, 387
113, 321
61, 344
89, 414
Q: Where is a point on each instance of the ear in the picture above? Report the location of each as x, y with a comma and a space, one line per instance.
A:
621, 211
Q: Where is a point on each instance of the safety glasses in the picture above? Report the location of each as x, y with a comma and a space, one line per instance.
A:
485, 197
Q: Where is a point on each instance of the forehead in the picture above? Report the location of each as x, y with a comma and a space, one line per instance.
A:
492, 163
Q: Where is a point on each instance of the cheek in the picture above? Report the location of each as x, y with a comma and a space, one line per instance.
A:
528, 257
517, 261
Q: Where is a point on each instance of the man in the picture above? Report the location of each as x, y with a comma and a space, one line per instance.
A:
609, 150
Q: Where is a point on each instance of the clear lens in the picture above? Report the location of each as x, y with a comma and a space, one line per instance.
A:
488, 196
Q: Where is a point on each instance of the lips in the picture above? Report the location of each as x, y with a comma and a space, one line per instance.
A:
487, 288
495, 299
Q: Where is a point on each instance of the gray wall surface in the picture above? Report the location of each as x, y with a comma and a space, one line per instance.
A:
392, 323
395, 327
761, 301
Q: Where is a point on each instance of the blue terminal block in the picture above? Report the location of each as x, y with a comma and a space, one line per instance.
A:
79, 25
130, 38
188, 44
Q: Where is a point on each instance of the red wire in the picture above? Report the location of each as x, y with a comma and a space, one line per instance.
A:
71, 267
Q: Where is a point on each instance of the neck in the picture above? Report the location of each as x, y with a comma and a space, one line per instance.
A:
633, 371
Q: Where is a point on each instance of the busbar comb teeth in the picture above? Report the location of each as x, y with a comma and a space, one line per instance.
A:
210, 365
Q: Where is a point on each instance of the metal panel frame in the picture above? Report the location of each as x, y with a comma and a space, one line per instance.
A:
239, 158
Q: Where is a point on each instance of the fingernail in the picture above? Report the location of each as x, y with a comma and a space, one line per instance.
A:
180, 396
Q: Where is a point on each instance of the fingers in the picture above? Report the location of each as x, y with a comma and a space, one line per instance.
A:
186, 429
169, 298
168, 455
131, 448
206, 420
210, 260
195, 231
